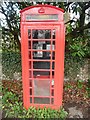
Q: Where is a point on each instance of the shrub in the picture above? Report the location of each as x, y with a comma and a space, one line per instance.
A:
11, 63
13, 108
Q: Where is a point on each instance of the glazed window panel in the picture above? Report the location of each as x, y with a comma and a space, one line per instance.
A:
30, 83
53, 55
29, 44
39, 100
41, 65
29, 34
42, 87
53, 65
30, 65
53, 73
41, 45
52, 100
30, 99
41, 74
30, 91
53, 45
29, 55
54, 34
52, 84
30, 74
41, 34
41, 55
30, 17
52, 92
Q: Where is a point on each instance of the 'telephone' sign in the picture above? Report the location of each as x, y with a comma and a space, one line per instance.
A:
30, 17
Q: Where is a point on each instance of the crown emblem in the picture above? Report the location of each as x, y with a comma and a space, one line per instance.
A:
41, 10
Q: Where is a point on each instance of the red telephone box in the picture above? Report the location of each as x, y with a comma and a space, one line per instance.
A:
42, 50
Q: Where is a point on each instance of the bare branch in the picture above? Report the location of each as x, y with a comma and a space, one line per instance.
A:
70, 21
87, 6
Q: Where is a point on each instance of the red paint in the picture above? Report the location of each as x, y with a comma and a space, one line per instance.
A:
53, 81
41, 10
50, 6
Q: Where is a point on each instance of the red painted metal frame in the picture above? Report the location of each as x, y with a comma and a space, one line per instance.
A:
59, 57
50, 6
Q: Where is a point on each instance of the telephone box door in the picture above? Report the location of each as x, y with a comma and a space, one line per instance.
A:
43, 60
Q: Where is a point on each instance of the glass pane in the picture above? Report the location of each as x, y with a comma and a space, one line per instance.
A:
29, 54
52, 83
41, 65
53, 55
53, 33
41, 34
30, 74
52, 100
52, 93
30, 100
30, 91
52, 73
53, 65
41, 55
29, 44
53, 45
41, 74
41, 17
29, 34
41, 45
30, 65
42, 87
30, 83
41, 100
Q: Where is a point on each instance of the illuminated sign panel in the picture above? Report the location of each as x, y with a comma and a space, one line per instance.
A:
34, 17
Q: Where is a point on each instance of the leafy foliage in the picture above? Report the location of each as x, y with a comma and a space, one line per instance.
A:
80, 84
11, 63
78, 47
88, 88
10, 29
13, 108
72, 66
8, 42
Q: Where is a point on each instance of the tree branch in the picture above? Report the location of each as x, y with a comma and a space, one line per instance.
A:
70, 21
87, 6
87, 14
77, 31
